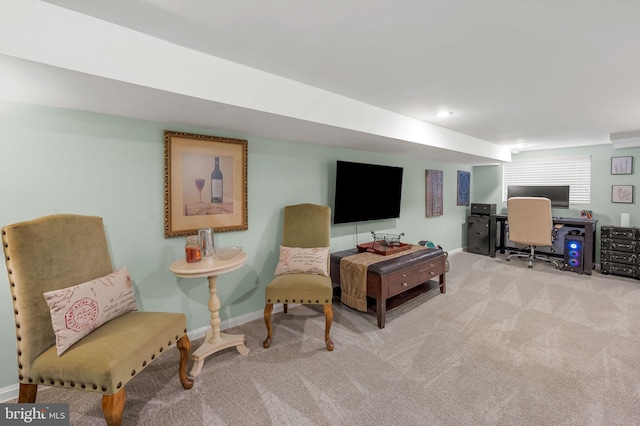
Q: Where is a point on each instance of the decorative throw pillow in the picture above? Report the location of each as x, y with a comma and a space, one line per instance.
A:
297, 260
77, 310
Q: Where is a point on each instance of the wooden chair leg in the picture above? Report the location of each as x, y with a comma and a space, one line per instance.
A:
113, 407
285, 307
328, 313
268, 308
184, 346
27, 393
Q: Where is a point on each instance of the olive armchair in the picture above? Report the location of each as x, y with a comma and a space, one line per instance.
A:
306, 234
56, 253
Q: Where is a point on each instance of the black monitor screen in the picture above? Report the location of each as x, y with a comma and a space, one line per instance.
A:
559, 195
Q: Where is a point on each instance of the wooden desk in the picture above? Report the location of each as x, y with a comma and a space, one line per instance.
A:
588, 225
214, 341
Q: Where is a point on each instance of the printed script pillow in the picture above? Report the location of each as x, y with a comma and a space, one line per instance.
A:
297, 260
76, 311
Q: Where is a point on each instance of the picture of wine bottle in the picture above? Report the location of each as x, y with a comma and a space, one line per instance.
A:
216, 183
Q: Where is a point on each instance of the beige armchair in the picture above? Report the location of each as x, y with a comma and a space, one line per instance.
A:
305, 226
530, 223
57, 252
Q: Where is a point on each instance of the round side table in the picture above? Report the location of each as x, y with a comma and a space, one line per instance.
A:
214, 341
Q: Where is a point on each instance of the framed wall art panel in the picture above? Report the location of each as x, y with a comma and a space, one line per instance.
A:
622, 194
433, 195
205, 183
464, 187
622, 165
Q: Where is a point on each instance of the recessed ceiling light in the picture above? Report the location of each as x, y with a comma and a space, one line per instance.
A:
443, 114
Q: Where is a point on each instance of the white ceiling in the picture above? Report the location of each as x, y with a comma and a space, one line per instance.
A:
547, 74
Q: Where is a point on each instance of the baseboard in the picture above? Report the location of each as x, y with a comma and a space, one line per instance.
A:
11, 392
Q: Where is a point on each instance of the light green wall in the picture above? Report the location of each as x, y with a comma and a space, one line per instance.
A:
61, 161
488, 185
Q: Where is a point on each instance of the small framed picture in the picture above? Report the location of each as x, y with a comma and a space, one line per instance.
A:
622, 194
464, 184
621, 165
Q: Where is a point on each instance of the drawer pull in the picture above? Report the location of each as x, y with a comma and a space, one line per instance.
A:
432, 273
404, 284
404, 275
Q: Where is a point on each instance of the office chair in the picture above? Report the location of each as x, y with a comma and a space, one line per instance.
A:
530, 223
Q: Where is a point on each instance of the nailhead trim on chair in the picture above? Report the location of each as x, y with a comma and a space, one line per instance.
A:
103, 388
294, 301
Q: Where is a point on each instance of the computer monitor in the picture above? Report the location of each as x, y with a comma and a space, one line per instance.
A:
558, 194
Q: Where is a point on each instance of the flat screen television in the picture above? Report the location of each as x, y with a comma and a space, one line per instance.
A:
366, 192
559, 195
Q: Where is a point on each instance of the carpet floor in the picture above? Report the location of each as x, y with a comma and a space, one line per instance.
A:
506, 345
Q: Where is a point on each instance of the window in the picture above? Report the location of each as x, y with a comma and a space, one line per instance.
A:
572, 171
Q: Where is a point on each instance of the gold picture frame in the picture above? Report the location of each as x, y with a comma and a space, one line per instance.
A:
205, 183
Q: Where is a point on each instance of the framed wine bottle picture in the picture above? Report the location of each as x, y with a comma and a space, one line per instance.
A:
205, 183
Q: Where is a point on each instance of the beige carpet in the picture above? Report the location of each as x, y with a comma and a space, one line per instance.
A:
506, 345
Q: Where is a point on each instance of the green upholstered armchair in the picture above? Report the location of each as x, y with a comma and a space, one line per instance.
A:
305, 226
59, 251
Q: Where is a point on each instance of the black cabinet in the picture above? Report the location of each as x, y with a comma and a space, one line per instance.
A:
620, 251
481, 235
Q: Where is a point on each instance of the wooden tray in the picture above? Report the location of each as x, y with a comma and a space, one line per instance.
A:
378, 248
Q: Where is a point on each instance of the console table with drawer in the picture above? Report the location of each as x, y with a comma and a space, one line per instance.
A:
394, 281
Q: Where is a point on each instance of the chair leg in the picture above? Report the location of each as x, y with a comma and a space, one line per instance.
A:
268, 308
328, 313
184, 346
27, 393
113, 407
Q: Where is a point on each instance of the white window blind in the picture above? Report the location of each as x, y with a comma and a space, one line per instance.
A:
572, 171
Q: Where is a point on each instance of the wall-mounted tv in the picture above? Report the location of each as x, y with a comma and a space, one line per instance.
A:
559, 195
366, 192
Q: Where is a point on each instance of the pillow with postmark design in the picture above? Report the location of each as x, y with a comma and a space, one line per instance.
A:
79, 309
297, 260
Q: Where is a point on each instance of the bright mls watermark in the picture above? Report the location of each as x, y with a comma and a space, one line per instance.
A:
34, 414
